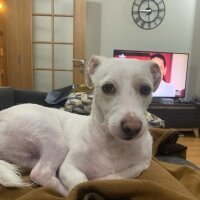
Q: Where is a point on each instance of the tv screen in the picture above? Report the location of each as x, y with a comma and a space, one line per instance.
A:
173, 68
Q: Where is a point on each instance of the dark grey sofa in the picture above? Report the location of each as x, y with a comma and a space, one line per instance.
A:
10, 97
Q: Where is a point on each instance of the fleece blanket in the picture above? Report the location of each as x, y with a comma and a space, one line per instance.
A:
160, 181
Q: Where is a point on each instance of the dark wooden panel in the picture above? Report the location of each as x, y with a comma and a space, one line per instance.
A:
178, 116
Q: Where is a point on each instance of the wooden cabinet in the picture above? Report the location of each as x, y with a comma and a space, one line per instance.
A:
179, 116
18, 44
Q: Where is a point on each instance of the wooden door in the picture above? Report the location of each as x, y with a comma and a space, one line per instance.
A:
58, 38
3, 74
18, 44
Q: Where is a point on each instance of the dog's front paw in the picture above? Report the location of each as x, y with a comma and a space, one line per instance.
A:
70, 176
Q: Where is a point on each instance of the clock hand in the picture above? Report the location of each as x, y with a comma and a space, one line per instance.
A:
155, 10
146, 11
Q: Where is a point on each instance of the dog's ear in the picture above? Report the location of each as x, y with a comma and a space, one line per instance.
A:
93, 64
155, 70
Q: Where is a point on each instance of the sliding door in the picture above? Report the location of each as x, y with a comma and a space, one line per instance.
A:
58, 43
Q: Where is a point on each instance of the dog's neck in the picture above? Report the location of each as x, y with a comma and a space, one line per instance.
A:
97, 118
96, 123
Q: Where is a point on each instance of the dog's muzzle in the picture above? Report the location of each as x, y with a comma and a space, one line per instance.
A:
130, 126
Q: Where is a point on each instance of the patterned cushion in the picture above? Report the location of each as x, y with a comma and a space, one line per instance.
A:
154, 121
81, 102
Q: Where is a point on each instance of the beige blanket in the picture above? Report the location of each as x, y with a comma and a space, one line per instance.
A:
160, 181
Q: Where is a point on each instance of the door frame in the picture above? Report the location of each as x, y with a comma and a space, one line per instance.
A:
79, 39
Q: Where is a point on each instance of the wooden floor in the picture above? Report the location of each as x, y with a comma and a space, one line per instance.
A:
193, 152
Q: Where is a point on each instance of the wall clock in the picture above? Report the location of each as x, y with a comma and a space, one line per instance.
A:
148, 14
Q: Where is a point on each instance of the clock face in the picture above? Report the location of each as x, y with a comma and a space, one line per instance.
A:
148, 14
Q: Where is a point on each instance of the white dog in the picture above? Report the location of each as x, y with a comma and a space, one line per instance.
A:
64, 149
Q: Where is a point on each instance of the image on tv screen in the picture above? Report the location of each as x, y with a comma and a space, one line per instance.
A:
173, 67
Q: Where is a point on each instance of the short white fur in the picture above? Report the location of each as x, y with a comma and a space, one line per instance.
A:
64, 149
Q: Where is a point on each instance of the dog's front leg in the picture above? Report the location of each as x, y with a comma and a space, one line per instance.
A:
70, 176
131, 172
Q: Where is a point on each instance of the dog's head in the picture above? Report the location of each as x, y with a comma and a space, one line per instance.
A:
123, 90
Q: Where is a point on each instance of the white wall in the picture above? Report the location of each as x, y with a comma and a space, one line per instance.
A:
110, 26
194, 78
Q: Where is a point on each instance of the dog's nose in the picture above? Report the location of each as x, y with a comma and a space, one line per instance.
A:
131, 126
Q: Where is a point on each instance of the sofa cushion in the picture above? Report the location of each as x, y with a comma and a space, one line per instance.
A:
79, 102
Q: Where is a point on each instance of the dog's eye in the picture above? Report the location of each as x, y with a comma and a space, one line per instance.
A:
108, 88
145, 90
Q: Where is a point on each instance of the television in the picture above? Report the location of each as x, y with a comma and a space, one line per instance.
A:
173, 67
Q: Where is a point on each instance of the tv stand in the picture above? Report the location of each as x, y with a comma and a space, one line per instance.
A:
163, 100
181, 116
194, 130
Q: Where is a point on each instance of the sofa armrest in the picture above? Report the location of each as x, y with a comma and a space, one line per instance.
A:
6, 97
